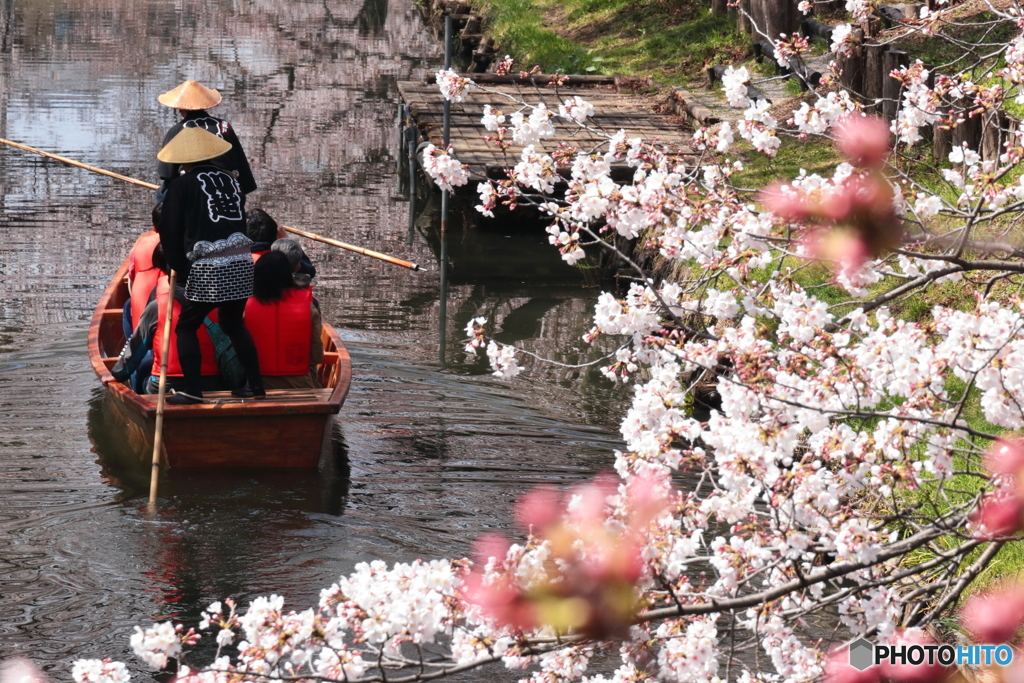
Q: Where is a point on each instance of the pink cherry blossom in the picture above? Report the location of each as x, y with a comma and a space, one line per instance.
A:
999, 515
1005, 457
994, 617
788, 445
538, 508
21, 671
838, 670
913, 673
864, 140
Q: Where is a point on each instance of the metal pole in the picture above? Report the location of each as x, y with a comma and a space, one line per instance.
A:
447, 65
412, 134
400, 125
443, 318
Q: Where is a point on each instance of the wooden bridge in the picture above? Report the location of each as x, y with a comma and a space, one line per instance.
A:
615, 108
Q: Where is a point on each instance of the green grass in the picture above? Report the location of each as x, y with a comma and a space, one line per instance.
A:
670, 40
519, 27
813, 156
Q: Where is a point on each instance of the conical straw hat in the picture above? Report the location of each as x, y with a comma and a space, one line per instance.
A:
190, 95
192, 145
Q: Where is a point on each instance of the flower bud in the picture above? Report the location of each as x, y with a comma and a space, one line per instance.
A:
864, 140
995, 617
1005, 457
998, 515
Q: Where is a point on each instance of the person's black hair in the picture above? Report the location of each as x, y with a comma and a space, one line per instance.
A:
159, 260
259, 226
157, 210
272, 275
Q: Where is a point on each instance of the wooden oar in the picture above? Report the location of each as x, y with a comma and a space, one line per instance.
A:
142, 183
79, 164
158, 430
351, 247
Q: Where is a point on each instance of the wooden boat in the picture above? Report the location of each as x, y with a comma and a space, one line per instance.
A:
289, 428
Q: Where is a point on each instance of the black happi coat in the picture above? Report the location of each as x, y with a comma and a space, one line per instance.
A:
232, 160
203, 204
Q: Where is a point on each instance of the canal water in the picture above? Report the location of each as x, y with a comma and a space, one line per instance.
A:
430, 450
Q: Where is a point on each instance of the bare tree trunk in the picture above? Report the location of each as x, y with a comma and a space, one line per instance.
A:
852, 65
996, 130
873, 76
742, 22
942, 137
783, 18
773, 18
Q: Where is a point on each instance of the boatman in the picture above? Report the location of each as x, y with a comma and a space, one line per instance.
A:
202, 230
192, 99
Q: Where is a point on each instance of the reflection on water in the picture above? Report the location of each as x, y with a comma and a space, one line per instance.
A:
430, 451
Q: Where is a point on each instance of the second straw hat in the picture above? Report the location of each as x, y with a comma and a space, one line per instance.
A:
192, 145
190, 95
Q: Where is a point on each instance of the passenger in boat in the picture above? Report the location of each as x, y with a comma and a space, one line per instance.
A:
142, 353
299, 263
142, 270
285, 325
298, 260
202, 230
264, 231
192, 99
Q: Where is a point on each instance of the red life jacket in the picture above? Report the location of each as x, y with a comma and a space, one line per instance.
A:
256, 255
205, 345
145, 274
281, 330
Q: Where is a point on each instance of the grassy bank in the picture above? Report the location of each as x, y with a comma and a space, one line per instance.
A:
671, 40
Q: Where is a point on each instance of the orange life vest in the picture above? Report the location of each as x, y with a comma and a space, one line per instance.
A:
205, 345
282, 330
256, 255
145, 274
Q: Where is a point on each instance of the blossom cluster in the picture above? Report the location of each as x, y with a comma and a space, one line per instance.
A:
453, 86
735, 82
443, 168
580, 567
792, 47
920, 103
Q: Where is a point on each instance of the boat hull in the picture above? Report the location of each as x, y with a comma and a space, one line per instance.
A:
284, 441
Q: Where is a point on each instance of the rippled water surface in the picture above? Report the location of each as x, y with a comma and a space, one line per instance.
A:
428, 454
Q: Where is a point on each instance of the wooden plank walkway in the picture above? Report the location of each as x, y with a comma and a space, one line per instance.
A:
613, 111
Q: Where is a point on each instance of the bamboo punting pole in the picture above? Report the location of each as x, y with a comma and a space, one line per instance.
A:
161, 397
79, 164
141, 183
351, 247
